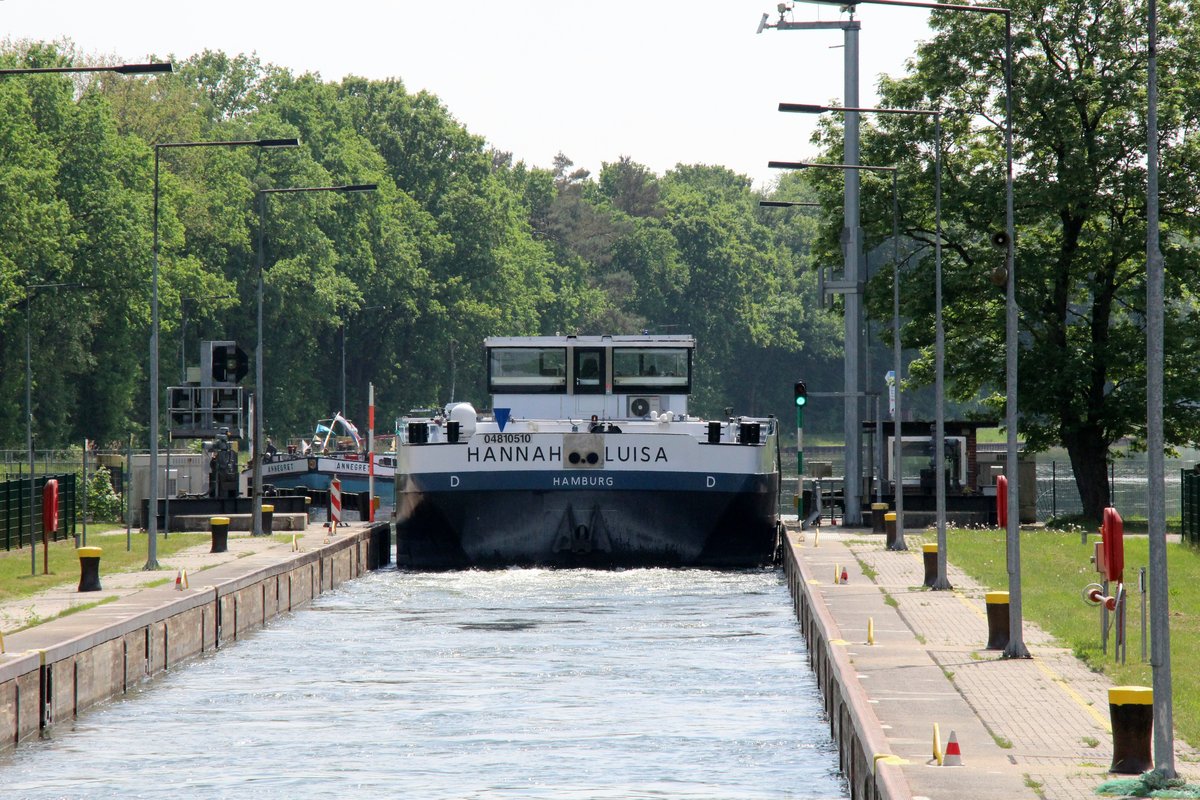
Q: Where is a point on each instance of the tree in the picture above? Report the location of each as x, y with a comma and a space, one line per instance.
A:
1079, 75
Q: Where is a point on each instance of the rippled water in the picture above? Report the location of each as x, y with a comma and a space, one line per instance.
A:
509, 684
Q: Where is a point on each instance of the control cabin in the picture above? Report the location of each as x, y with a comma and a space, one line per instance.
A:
573, 377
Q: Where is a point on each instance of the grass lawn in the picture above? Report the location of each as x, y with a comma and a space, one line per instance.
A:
1055, 566
16, 581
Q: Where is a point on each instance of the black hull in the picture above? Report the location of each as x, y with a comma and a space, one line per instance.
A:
597, 529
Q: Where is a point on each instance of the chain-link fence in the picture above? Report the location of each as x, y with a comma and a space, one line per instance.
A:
1128, 479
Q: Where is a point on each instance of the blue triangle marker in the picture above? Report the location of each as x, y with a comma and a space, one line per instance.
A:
501, 417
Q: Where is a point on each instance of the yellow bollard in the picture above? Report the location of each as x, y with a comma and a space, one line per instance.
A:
89, 569
929, 554
1131, 710
816, 536
937, 745
870, 630
836, 573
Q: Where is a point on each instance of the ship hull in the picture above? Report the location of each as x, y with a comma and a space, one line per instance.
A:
312, 472
589, 528
645, 500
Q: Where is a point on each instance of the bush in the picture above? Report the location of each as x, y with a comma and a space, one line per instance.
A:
104, 504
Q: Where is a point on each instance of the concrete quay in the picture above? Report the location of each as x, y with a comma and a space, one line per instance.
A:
53, 671
1033, 728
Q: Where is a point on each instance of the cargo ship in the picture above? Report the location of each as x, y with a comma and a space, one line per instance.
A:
588, 458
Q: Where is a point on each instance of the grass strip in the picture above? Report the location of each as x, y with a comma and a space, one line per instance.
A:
16, 582
1056, 566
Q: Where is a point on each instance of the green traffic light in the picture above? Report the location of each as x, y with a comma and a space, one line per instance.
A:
801, 400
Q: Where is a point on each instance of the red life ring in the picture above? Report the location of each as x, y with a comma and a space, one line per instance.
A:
1002, 501
50, 505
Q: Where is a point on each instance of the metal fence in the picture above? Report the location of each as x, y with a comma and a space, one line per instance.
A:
1057, 495
1127, 485
1189, 480
18, 522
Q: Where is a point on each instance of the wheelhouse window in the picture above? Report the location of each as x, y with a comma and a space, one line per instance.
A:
589, 370
527, 369
651, 369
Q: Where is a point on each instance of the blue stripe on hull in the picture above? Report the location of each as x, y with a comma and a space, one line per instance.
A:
320, 481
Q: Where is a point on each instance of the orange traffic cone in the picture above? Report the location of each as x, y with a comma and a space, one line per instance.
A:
845, 576
953, 757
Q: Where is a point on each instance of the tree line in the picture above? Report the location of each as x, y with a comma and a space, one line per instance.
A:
458, 242
461, 241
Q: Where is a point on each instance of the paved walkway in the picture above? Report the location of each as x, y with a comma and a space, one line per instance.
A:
46, 605
1035, 728
1027, 728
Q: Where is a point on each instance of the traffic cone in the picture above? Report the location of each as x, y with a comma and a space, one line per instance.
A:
845, 576
179, 580
953, 757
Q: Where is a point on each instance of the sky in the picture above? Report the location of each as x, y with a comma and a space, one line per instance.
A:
663, 83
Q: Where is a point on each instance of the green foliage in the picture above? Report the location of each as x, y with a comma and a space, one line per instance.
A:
1079, 76
1055, 568
104, 504
458, 243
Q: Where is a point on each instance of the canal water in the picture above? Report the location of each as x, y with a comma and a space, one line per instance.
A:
507, 684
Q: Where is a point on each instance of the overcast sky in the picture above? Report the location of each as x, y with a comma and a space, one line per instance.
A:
658, 81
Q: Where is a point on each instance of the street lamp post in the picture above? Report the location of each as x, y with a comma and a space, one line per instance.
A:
1016, 643
942, 581
152, 508
256, 500
120, 69
1160, 632
853, 265
897, 367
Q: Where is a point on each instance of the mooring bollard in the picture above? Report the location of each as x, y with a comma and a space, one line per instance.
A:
220, 534
889, 524
878, 510
89, 569
1131, 709
997, 617
930, 554
268, 519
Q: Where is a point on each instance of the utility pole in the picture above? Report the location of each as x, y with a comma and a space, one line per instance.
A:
853, 277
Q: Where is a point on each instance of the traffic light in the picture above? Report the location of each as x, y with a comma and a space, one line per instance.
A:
229, 363
800, 392
999, 273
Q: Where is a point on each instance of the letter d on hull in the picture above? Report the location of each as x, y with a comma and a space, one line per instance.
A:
710, 481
